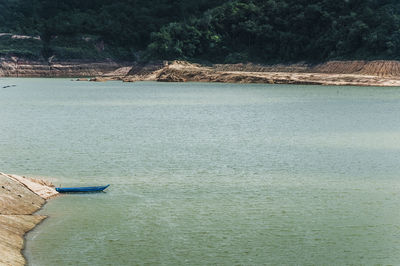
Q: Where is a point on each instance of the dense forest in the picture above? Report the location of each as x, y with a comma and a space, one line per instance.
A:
202, 30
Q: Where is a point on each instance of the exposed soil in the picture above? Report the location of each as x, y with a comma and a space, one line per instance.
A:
356, 73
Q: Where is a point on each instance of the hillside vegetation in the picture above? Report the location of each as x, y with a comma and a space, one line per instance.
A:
218, 31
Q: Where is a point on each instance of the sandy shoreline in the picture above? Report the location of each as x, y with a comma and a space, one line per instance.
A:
382, 73
20, 198
337, 73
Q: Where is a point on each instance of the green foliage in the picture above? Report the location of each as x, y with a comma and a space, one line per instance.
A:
24, 48
124, 26
288, 31
176, 41
208, 30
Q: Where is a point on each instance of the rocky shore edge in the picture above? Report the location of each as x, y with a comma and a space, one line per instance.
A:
20, 198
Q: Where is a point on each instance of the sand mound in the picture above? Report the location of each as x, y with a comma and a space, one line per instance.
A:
144, 69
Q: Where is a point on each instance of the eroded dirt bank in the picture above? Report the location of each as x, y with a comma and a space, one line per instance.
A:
357, 73
20, 197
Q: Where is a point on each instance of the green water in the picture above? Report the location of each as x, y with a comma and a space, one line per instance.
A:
206, 174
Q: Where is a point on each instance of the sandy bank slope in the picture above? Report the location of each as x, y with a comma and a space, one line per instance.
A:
12, 231
381, 68
18, 201
181, 73
356, 73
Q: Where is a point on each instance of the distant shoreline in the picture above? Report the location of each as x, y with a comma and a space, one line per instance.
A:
18, 67
383, 73
20, 198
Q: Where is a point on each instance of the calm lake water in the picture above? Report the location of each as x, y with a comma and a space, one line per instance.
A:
208, 173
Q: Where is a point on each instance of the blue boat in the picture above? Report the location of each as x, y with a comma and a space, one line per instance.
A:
81, 189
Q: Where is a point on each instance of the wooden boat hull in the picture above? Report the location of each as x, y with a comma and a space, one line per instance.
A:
81, 189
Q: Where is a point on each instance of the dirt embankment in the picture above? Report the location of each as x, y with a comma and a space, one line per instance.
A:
20, 197
356, 73
381, 68
16, 67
